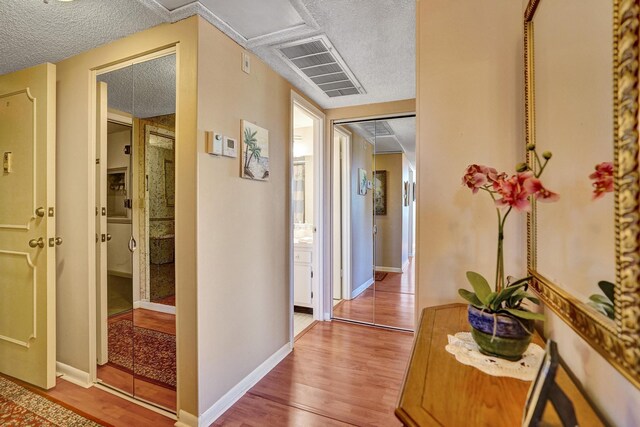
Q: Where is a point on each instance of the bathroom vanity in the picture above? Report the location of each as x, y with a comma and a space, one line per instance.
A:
302, 272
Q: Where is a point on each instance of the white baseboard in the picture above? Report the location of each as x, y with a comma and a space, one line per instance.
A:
232, 396
73, 375
388, 269
160, 308
360, 289
186, 419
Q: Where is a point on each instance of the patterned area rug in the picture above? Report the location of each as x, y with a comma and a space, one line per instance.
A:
21, 407
380, 275
150, 355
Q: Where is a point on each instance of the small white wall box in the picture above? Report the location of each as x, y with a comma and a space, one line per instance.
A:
246, 63
230, 147
213, 143
7, 162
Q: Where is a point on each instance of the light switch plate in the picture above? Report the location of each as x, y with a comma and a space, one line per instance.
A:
246, 63
7, 162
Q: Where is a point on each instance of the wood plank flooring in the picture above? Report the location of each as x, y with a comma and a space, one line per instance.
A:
390, 302
337, 374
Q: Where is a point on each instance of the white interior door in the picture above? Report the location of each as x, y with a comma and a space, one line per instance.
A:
27, 225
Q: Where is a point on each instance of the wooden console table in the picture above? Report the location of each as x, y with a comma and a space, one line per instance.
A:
440, 391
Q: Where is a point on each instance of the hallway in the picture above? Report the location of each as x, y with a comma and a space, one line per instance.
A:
338, 374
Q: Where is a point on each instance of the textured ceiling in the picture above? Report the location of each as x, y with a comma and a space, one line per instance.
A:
402, 140
146, 89
33, 32
376, 38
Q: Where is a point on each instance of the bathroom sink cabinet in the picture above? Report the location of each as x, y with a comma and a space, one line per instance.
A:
302, 276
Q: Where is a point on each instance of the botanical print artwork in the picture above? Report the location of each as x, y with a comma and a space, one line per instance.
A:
255, 152
362, 182
380, 192
116, 192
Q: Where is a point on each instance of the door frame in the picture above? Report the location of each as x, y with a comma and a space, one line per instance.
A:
342, 157
347, 246
93, 289
318, 261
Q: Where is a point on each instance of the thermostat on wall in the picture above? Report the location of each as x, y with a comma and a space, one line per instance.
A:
213, 143
230, 147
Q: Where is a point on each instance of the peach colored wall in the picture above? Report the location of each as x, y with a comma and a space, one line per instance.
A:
243, 249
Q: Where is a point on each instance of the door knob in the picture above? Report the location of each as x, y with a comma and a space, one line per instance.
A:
40, 212
37, 243
108, 237
58, 241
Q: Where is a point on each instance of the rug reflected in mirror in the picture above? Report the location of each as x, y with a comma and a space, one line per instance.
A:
147, 354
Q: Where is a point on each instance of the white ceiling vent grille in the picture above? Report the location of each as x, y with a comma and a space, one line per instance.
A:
377, 128
318, 62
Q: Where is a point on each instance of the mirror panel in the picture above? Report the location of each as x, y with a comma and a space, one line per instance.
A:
568, 106
574, 120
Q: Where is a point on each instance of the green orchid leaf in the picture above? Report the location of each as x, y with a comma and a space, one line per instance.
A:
480, 286
599, 299
506, 294
523, 314
470, 297
607, 289
533, 299
491, 300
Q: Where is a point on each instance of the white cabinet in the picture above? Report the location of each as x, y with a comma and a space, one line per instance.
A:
302, 277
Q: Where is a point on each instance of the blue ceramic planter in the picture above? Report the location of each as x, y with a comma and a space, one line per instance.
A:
512, 336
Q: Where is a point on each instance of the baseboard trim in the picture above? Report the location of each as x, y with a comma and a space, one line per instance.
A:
360, 289
186, 419
388, 269
73, 375
232, 396
160, 308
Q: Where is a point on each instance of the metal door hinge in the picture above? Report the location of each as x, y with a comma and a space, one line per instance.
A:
104, 211
128, 204
311, 294
312, 274
127, 149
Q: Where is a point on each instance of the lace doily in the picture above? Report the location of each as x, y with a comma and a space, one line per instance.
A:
467, 352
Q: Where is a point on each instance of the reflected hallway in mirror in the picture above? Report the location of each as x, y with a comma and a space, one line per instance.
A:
374, 204
136, 321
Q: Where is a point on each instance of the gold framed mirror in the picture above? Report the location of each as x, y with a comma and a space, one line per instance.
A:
565, 260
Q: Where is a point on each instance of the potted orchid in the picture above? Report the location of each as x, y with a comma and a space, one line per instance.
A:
500, 324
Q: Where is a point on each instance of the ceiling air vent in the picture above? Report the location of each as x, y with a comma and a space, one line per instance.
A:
318, 62
377, 128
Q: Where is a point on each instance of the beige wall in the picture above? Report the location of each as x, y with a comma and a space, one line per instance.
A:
392, 238
243, 268
75, 198
470, 110
470, 103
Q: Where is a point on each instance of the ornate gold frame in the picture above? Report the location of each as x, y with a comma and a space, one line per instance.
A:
617, 342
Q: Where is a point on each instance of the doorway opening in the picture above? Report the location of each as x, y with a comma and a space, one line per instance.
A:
135, 230
306, 215
373, 221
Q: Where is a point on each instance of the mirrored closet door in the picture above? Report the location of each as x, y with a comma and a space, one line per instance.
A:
136, 199
373, 186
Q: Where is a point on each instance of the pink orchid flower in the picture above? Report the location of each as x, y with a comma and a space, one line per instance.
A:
477, 176
534, 186
602, 179
514, 192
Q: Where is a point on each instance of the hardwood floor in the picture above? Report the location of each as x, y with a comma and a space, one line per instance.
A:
390, 302
338, 374
104, 406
